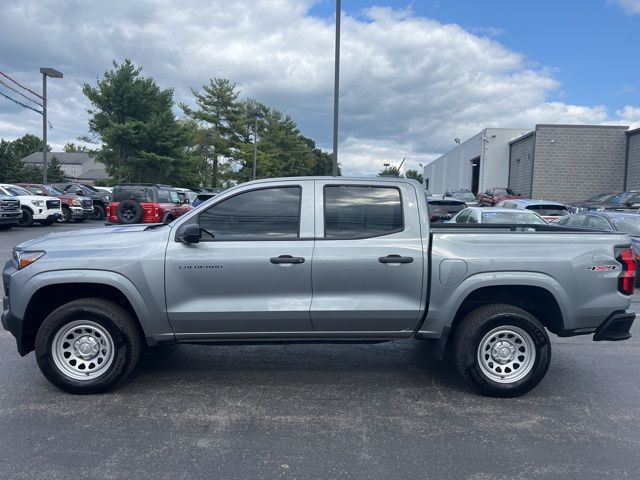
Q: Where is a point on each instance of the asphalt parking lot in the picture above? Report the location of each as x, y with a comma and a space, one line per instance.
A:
321, 411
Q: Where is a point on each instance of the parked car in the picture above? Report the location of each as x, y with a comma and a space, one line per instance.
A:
99, 198
623, 201
10, 212
498, 215
597, 202
493, 196
550, 211
240, 269
145, 203
74, 207
108, 190
622, 222
441, 210
462, 194
35, 208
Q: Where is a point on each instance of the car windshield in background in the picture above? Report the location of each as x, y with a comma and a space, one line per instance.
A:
139, 194
464, 196
55, 191
602, 197
501, 192
622, 198
549, 210
18, 191
627, 224
519, 218
443, 207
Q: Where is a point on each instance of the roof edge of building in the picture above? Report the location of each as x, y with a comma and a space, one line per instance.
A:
634, 131
522, 137
569, 125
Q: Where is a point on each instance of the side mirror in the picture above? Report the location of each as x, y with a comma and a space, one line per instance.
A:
79, 192
189, 233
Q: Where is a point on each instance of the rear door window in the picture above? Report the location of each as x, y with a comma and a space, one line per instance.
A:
352, 212
598, 222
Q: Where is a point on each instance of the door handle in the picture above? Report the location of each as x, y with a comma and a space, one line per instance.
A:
286, 259
395, 259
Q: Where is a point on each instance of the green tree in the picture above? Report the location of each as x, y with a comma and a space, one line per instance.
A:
12, 169
71, 147
415, 175
55, 173
220, 113
133, 117
389, 172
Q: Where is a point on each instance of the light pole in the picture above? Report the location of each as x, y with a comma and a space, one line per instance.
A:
46, 72
386, 167
256, 112
336, 89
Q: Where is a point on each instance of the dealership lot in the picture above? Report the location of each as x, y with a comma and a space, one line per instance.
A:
321, 411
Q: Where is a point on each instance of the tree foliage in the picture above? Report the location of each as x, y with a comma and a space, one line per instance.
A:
12, 169
55, 174
133, 118
391, 171
414, 174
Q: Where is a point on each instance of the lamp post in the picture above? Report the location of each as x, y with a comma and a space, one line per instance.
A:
386, 167
256, 112
336, 89
46, 72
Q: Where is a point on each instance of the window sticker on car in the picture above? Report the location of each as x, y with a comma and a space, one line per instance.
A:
618, 219
489, 214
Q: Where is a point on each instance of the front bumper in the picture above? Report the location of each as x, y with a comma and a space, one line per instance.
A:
80, 213
616, 327
10, 217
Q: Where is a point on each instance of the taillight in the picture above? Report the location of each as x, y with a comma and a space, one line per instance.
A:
627, 280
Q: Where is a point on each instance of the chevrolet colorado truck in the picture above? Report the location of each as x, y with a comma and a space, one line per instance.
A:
316, 260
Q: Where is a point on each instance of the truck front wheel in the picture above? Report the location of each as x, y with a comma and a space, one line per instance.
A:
87, 346
502, 350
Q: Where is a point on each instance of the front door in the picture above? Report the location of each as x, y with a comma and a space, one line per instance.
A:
251, 272
368, 263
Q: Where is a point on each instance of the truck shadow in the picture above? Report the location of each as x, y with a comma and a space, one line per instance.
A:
408, 364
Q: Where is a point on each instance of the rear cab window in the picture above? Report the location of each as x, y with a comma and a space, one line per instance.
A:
140, 194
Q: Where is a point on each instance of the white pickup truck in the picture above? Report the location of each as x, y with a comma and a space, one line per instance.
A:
316, 260
35, 208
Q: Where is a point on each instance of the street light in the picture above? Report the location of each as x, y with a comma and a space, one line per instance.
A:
256, 112
53, 73
336, 89
386, 167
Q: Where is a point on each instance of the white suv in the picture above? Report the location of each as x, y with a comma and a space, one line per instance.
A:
35, 208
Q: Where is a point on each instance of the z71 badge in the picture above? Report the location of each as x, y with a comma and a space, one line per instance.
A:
603, 268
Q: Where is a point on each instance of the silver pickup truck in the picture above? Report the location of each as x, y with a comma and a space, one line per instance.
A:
316, 259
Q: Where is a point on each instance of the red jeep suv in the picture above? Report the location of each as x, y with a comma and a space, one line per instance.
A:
145, 203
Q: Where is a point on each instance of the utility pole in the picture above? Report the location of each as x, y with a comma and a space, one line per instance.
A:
46, 72
256, 112
336, 89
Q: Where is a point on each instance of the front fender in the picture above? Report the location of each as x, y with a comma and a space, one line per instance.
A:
153, 317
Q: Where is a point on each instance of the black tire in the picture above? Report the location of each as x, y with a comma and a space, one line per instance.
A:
129, 211
472, 331
66, 215
114, 320
99, 212
27, 218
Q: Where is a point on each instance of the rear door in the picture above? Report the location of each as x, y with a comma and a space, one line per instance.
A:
251, 272
368, 262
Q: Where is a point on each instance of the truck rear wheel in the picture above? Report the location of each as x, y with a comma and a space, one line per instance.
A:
87, 346
502, 350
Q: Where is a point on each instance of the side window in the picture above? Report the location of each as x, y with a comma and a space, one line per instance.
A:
360, 211
575, 221
463, 217
473, 217
598, 222
174, 197
265, 214
163, 196
488, 192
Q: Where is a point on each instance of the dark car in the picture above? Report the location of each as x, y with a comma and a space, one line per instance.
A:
100, 198
624, 222
443, 209
463, 195
493, 196
597, 202
145, 203
624, 201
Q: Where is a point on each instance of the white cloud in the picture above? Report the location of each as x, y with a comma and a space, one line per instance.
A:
631, 7
409, 84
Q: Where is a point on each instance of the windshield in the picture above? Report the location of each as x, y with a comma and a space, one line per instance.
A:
549, 210
602, 197
54, 191
18, 191
520, 218
464, 196
627, 224
621, 198
501, 192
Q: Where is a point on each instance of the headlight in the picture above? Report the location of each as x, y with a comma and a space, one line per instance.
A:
76, 202
24, 259
37, 203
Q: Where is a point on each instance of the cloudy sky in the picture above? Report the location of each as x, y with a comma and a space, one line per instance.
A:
415, 74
